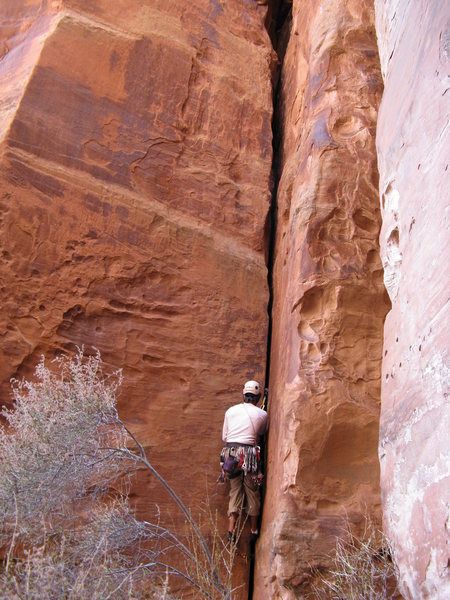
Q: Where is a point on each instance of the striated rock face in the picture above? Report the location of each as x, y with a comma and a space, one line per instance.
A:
413, 154
136, 151
329, 297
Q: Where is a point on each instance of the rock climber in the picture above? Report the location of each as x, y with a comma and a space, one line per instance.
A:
243, 424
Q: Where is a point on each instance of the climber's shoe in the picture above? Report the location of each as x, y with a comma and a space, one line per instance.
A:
254, 536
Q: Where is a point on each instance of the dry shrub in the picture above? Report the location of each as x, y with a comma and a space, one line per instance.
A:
223, 554
66, 526
363, 569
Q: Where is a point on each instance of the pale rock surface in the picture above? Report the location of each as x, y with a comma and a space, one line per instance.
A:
135, 161
413, 146
329, 297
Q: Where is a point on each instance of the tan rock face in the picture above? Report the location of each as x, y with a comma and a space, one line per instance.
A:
413, 156
135, 167
135, 157
329, 298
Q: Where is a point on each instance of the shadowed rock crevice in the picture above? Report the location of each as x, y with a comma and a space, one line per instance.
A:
278, 23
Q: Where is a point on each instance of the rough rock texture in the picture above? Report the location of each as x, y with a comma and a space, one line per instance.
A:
135, 162
413, 153
329, 297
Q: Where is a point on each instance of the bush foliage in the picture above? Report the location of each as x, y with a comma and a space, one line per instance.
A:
66, 526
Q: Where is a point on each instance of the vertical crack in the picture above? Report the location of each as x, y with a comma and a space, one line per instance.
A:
278, 24
279, 30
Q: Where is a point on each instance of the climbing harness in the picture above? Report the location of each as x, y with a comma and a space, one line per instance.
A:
236, 458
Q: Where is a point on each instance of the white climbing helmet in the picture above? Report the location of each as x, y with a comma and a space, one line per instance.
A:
252, 387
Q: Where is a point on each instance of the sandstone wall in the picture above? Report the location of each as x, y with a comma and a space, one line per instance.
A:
413, 153
329, 297
135, 159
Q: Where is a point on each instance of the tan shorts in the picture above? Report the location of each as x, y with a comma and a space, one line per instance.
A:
240, 485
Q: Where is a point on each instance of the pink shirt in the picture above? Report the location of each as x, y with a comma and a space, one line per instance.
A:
243, 423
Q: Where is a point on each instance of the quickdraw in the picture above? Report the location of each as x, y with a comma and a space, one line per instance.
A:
249, 457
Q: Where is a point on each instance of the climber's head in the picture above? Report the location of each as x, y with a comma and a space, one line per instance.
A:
252, 392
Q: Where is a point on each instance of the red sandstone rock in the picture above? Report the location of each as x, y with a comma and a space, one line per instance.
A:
329, 298
135, 166
413, 156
